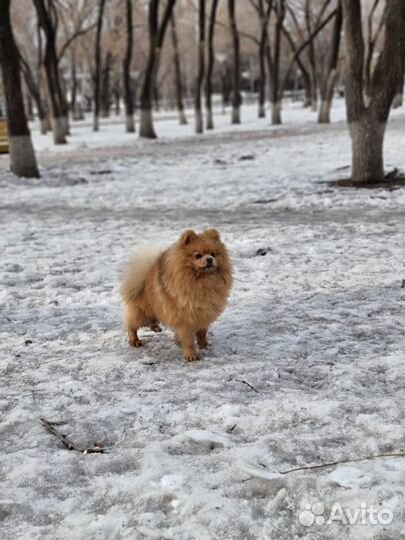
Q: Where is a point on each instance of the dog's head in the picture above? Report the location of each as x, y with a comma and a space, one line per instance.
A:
204, 252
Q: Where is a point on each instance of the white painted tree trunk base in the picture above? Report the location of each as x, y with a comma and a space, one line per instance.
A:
130, 123
261, 113
276, 113
22, 156
44, 126
235, 115
324, 112
65, 125
199, 124
59, 131
182, 118
146, 128
397, 101
367, 151
209, 119
96, 123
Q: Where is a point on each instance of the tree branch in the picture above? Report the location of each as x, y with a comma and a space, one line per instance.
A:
298, 50
73, 37
50, 427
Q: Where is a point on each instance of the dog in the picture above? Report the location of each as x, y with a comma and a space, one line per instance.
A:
186, 287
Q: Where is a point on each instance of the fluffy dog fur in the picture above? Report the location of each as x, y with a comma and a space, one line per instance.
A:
185, 287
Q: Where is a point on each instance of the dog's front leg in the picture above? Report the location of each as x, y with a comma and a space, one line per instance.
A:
186, 337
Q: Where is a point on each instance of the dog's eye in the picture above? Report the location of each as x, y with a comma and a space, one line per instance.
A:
213, 254
197, 256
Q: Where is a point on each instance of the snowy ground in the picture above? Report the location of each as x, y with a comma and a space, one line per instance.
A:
314, 326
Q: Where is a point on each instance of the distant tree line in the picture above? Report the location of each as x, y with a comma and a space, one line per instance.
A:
60, 57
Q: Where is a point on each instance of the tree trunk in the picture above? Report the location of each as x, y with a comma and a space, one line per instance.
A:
326, 101
47, 18
328, 88
43, 125
199, 125
128, 96
275, 103
117, 101
236, 98
367, 122
34, 90
264, 18
262, 76
274, 66
22, 156
146, 128
225, 87
97, 66
73, 89
156, 38
177, 72
105, 90
311, 59
210, 66
367, 149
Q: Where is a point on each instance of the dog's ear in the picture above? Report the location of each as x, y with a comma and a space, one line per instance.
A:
188, 236
213, 234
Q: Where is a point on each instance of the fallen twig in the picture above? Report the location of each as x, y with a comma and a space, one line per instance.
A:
247, 384
343, 462
50, 427
241, 381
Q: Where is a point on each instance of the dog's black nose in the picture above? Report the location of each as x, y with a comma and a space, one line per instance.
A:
210, 260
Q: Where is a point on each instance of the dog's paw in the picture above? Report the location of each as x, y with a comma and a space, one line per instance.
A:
135, 343
204, 344
191, 356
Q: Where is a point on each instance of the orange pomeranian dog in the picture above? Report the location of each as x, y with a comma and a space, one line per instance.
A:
185, 287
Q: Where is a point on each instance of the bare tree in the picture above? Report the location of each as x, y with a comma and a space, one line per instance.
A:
273, 55
126, 71
210, 66
367, 119
199, 124
327, 86
156, 38
48, 20
146, 127
236, 97
264, 16
178, 81
34, 89
298, 49
22, 156
372, 38
311, 56
97, 66
105, 85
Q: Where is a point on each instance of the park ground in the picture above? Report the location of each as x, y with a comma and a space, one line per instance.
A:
307, 363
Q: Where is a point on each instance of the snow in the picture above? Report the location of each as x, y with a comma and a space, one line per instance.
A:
314, 326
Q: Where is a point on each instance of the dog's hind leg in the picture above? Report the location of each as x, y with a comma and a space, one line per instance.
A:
134, 319
202, 339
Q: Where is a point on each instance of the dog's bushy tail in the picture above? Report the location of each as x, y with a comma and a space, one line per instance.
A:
136, 269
